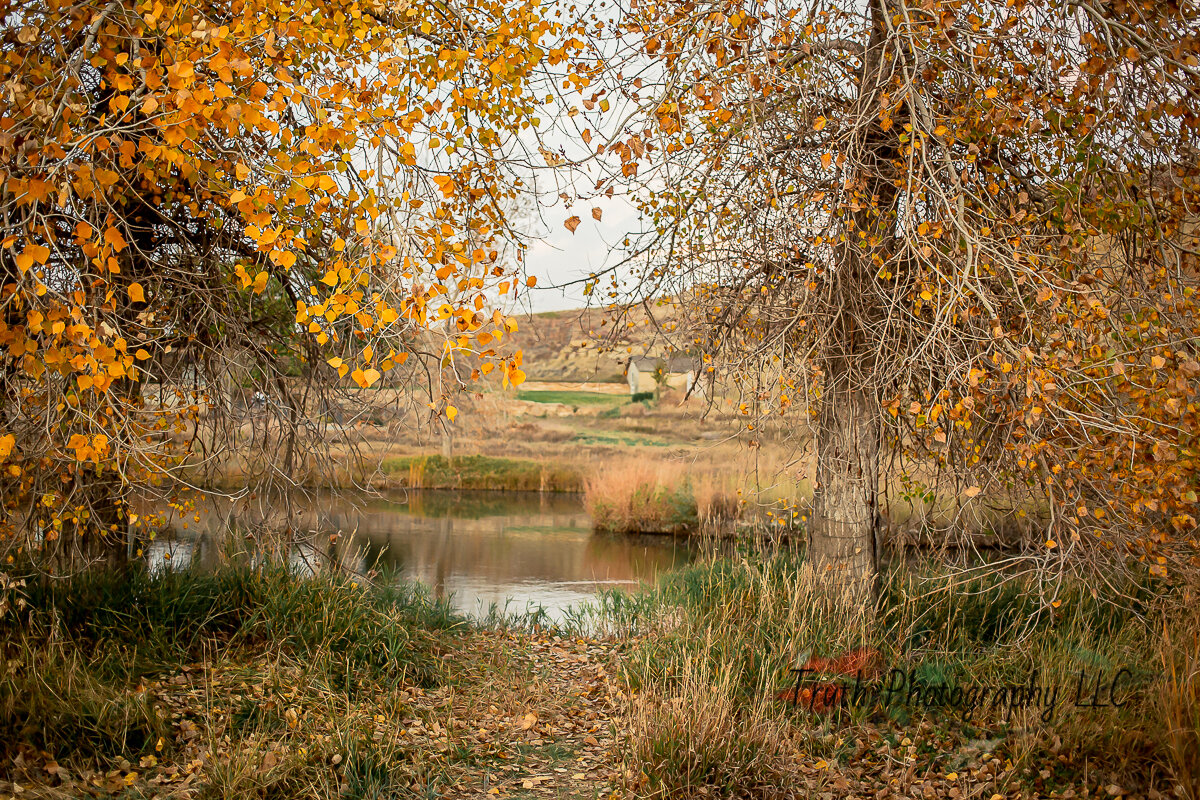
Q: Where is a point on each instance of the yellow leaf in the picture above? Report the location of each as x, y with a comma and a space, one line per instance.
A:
136, 294
451, 412
334, 362
260, 282
241, 171
820, 123
371, 376
142, 354
7, 443
24, 261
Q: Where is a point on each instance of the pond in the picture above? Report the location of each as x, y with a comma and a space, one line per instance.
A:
516, 551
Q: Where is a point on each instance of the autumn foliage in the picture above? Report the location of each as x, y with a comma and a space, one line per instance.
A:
960, 240
253, 183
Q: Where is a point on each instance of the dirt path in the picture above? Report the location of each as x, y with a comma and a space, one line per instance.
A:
533, 718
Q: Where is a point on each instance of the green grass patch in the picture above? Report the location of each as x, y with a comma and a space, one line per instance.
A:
618, 439
570, 398
482, 473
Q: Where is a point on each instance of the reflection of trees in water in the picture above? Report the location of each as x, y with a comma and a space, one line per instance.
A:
641, 557
441, 539
506, 549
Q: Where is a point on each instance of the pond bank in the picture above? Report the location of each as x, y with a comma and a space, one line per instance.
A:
259, 684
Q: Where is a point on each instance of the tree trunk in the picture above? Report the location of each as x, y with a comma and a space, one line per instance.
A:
843, 534
845, 520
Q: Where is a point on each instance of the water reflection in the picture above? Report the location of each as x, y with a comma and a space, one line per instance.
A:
513, 550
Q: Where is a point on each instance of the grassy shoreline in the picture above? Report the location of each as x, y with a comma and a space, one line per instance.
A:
257, 683
481, 473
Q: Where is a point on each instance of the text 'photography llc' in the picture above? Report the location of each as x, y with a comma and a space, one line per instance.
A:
864, 682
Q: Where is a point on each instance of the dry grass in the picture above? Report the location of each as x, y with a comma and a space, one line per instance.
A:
1178, 702
640, 496
698, 735
717, 641
658, 496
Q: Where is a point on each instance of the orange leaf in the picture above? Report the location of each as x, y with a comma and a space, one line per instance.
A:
572, 224
597, 214
136, 294
115, 239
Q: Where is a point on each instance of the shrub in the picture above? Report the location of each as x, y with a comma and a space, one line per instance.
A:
641, 497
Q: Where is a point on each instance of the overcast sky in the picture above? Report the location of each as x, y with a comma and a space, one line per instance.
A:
560, 257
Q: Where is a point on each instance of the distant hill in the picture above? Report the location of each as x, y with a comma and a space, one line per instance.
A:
586, 344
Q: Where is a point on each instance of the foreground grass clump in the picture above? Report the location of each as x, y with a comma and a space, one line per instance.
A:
716, 642
80, 644
481, 472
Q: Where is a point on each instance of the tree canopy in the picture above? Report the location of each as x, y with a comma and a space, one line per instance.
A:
960, 233
254, 183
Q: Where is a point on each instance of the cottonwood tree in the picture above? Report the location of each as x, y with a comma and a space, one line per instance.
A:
201, 200
957, 231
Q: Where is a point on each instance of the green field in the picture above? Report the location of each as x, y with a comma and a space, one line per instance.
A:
571, 398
